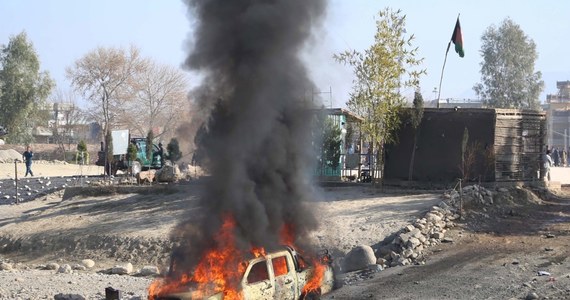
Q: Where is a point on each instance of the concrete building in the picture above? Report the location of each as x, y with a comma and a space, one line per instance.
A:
348, 165
557, 109
66, 122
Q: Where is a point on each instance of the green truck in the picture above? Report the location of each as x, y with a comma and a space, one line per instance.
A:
121, 140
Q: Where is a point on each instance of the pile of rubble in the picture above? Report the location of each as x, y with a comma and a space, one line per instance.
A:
410, 244
9, 156
473, 194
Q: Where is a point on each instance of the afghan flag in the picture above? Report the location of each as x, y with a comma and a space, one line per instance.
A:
457, 39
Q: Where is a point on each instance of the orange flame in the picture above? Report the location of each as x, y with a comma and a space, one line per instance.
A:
219, 270
316, 279
287, 235
258, 251
280, 266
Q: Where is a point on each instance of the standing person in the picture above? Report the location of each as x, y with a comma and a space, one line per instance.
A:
564, 158
161, 153
28, 154
547, 164
555, 157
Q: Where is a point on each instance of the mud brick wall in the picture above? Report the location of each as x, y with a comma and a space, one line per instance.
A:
505, 146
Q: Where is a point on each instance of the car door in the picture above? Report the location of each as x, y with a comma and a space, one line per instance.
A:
257, 282
283, 272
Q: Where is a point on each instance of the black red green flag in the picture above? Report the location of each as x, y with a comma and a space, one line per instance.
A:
457, 39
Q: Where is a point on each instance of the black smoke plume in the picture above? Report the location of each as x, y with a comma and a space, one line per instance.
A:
256, 138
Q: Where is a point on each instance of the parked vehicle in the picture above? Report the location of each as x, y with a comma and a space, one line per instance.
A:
121, 140
280, 274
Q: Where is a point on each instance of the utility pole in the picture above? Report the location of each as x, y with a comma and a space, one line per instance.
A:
322, 92
565, 139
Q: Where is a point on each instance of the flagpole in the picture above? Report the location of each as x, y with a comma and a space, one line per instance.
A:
441, 78
443, 68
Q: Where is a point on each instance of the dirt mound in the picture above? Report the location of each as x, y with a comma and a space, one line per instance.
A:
483, 209
517, 196
8, 156
142, 251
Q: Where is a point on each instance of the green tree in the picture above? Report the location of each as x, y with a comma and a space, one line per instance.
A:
331, 149
23, 89
81, 146
132, 152
82, 155
131, 157
508, 79
416, 116
381, 71
173, 149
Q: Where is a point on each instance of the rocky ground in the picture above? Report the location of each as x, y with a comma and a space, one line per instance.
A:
30, 188
71, 241
513, 247
117, 226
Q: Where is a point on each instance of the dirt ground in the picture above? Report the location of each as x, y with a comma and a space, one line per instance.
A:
497, 252
133, 225
49, 169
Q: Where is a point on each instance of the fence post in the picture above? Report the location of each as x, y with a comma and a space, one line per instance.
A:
16, 179
460, 199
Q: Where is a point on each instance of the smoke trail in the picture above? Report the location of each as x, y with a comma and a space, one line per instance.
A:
257, 141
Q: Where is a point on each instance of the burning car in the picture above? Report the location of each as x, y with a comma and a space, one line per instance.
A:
281, 274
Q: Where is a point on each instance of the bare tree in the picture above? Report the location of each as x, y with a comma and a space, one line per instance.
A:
159, 99
69, 119
102, 76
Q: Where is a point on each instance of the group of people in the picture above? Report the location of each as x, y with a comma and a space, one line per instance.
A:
559, 157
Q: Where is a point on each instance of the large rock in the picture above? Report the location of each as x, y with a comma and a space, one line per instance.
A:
413, 243
79, 267
432, 217
62, 296
5, 266
149, 271
168, 173
66, 269
359, 258
407, 253
122, 270
438, 235
88, 263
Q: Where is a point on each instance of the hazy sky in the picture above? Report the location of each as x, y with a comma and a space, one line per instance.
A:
64, 30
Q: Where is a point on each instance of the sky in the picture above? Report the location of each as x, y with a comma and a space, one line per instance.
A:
62, 31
